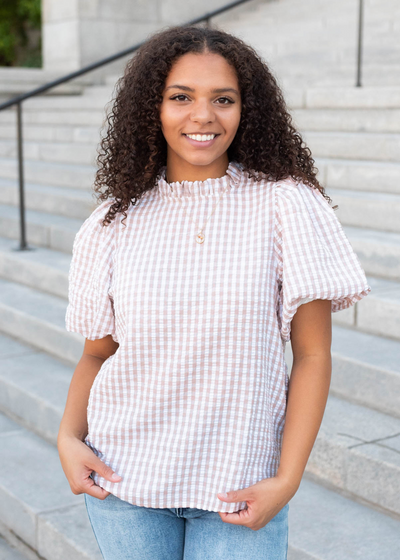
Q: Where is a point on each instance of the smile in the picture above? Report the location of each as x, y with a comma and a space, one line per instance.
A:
201, 137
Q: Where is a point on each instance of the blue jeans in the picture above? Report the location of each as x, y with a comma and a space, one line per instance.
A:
125, 531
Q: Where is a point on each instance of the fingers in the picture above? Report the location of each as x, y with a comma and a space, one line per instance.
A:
241, 517
78, 462
103, 470
82, 482
97, 491
91, 488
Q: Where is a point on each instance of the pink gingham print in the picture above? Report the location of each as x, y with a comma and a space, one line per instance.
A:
193, 401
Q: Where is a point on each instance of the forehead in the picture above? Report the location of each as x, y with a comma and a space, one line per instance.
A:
209, 68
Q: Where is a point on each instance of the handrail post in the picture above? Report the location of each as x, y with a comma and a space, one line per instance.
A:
23, 245
360, 41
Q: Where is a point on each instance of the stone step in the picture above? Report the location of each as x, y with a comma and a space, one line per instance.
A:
378, 251
333, 75
354, 145
38, 319
372, 176
308, 8
348, 120
324, 525
312, 30
33, 387
41, 268
37, 505
71, 203
111, 79
43, 229
318, 15
358, 451
53, 133
105, 90
50, 173
378, 211
61, 117
327, 49
365, 369
59, 152
332, 96
353, 98
378, 313
29, 78
70, 102
8, 552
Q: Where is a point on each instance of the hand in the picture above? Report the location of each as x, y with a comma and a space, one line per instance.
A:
78, 461
264, 500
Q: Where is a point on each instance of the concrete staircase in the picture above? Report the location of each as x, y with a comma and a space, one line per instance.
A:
348, 503
315, 42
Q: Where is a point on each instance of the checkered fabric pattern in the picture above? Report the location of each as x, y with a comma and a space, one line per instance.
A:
193, 402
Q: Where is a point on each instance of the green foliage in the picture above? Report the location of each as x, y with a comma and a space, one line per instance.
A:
20, 45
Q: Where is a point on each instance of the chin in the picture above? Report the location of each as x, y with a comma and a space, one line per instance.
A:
202, 159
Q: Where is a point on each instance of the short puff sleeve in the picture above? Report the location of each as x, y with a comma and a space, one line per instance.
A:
90, 310
314, 257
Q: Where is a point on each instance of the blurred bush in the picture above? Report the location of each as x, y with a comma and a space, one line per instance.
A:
20, 33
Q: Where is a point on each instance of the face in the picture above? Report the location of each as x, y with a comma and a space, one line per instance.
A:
201, 97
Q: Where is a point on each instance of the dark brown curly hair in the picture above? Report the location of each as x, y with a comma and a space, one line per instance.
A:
134, 149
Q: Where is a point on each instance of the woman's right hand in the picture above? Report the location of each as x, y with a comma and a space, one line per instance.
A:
78, 461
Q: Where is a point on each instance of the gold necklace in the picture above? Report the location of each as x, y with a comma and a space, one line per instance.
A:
200, 236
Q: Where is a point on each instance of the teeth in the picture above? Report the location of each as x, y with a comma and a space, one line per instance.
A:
201, 137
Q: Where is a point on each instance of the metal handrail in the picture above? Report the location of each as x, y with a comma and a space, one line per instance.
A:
20, 98
360, 41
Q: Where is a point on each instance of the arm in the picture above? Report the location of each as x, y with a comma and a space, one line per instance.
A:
311, 335
77, 459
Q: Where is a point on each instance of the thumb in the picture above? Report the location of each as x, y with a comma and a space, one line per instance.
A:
234, 496
105, 471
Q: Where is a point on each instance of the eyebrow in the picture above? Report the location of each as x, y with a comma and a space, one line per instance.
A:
216, 90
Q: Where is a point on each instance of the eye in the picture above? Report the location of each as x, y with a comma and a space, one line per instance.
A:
229, 101
179, 95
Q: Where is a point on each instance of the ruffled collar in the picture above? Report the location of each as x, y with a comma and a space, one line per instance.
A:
208, 187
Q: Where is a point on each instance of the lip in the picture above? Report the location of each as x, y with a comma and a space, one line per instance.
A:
199, 143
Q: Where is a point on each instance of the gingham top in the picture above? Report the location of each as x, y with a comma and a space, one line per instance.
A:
193, 401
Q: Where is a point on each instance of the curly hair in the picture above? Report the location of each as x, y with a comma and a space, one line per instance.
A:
134, 149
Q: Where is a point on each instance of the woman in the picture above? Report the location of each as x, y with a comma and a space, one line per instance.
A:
214, 245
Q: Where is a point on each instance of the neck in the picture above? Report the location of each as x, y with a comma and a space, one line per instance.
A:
181, 170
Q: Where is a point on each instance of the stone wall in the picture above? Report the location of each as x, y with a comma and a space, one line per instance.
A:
78, 32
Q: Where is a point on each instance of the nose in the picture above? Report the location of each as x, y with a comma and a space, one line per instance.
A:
202, 112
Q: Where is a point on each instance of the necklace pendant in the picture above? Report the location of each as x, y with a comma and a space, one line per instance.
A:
200, 237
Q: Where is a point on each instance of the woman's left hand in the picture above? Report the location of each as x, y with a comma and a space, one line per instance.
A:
264, 500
